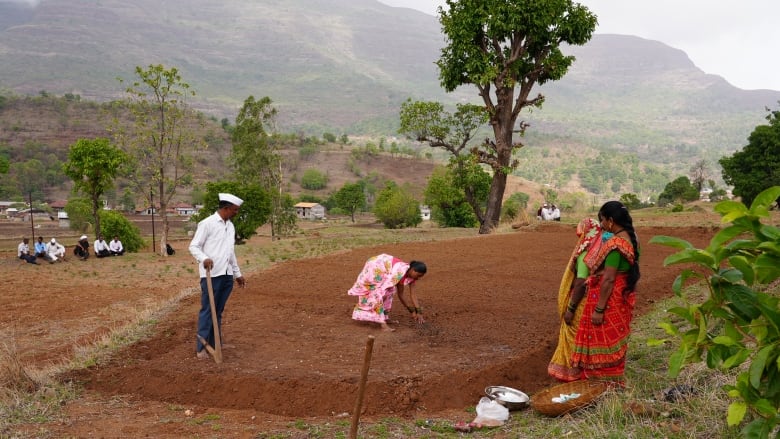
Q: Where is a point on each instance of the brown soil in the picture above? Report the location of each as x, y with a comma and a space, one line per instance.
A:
296, 354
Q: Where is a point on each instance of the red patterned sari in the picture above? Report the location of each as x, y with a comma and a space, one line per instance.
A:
600, 351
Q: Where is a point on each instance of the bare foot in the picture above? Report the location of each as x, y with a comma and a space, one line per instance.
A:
385, 327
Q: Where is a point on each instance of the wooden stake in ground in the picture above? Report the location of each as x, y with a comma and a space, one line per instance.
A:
361, 388
215, 351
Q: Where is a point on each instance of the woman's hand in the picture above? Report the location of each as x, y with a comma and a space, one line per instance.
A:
568, 316
597, 318
418, 317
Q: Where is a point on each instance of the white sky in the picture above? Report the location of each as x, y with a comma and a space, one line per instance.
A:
735, 40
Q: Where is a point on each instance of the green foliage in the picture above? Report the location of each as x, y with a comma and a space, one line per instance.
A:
313, 179
161, 142
4, 164
396, 208
93, 165
497, 46
350, 198
329, 137
449, 207
521, 198
631, 201
80, 216
680, 191
114, 223
254, 212
738, 325
755, 168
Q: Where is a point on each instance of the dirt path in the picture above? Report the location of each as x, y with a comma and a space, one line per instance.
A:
489, 302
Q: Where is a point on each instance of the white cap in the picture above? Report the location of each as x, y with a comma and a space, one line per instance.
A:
53, 241
83, 237
230, 198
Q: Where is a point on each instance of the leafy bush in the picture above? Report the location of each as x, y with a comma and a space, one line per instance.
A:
739, 321
313, 180
254, 212
113, 223
397, 208
79, 212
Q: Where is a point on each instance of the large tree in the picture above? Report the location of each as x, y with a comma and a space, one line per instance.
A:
256, 159
757, 166
505, 48
93, 165
161, 141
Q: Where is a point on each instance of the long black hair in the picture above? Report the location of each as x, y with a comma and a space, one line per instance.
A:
617, 212
418, 266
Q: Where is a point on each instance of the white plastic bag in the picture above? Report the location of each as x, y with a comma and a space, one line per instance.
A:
490, 410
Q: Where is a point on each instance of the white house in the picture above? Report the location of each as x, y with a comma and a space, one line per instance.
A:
310, 211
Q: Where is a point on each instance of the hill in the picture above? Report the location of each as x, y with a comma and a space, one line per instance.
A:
631, 115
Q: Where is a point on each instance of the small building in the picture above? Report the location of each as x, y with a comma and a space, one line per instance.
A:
310, 211
185, 209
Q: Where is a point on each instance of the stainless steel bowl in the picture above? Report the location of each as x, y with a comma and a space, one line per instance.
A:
510, 398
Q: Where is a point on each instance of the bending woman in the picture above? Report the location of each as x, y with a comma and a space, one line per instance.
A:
570, 295
382, 276
602, 337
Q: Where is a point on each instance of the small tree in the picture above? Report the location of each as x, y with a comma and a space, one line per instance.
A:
93, 165
350, 198
680, 191
397, 208
161, 141
254, 212
631, 201
79, 214
449, 207
699, 174
739, 320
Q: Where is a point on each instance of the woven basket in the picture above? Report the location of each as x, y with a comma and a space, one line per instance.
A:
589, 391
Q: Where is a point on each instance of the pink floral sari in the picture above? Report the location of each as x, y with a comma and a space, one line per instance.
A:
375, 287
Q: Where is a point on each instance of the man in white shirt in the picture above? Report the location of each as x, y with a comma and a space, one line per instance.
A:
213, 246
101, 247
546, 212
115, 246
556, 213
55, 250
23, 252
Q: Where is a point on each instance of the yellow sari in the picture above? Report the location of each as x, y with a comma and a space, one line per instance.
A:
560, 367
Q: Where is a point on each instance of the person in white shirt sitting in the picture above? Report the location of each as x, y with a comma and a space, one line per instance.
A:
556, 213
547, 213
115, 246
101, 247
55, 250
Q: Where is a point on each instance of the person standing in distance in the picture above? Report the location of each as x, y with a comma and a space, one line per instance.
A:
213, 246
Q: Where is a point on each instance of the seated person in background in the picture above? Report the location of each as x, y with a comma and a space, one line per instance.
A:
55, 250
101, 247
40, 250
115, 246
23, 252
82, 248
556, 213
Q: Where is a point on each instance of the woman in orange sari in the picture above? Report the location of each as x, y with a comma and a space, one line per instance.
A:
602, 337
570, 295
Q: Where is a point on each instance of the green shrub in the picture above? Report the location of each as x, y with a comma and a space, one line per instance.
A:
314, 180
113, 223
739, 320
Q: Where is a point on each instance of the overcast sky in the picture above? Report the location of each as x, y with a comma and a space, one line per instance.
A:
735, 40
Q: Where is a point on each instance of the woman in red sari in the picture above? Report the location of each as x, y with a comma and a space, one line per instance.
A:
605, 326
